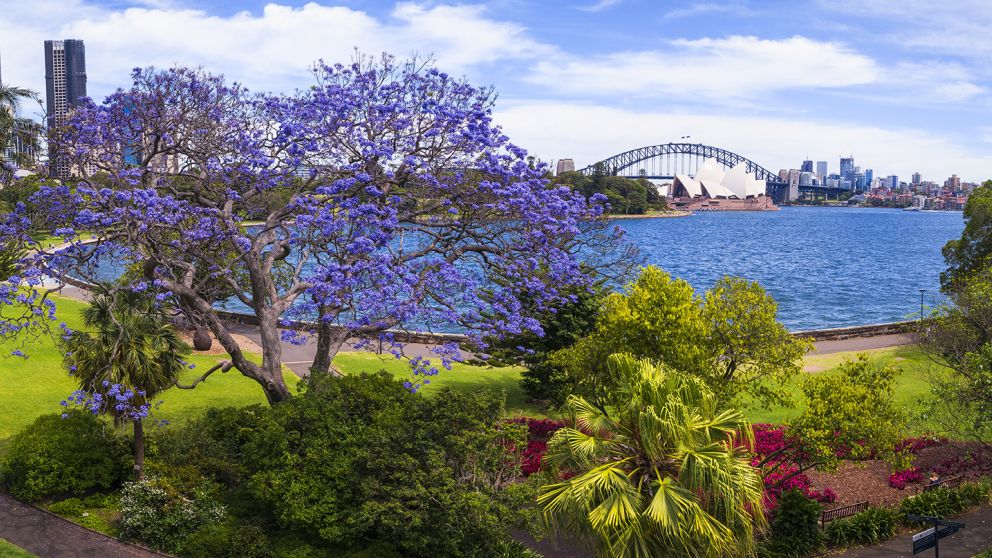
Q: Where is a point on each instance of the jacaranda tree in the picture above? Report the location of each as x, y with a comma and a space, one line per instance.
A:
660, 471
381, 197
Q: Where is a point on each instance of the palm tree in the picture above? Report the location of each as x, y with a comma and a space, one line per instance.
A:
659, 471
10, 100
128, 346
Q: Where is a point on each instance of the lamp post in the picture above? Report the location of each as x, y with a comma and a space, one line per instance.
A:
921, 303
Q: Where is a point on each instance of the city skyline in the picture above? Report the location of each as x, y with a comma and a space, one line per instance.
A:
759, 79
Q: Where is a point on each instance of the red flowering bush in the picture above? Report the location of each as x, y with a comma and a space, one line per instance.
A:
538, 432
769, 440
900, 479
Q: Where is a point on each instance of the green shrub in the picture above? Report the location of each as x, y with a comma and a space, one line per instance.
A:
359, 459
69, 507
163, 512
795, 530
871, 526
227, 541
70, 455
946, 502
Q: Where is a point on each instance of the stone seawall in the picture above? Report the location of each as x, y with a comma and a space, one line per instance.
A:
431, 338
853, 332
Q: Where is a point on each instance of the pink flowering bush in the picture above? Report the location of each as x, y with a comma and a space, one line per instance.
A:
770, 439
900, 479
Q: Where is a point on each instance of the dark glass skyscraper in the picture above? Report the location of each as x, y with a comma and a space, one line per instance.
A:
807, 166
65, 85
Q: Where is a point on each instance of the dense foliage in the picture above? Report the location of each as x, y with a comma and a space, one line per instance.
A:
850, 414
958, 336
971, 253
729, 337
795, 526
946, 502
624, 196
871, 526
359, 462
657, 471
388, 196
562, 326
56, 455
163, 512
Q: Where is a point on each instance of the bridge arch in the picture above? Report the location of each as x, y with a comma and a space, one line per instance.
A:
626, 163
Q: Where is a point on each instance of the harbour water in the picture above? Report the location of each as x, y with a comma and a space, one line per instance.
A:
826, 266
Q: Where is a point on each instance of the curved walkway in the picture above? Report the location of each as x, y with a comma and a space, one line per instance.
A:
966, 543
50, 536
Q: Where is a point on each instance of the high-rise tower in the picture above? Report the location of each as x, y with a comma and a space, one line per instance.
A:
65, 85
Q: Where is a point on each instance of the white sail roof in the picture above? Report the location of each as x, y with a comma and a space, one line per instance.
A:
691, 185
710, 171
736, 181
716, 190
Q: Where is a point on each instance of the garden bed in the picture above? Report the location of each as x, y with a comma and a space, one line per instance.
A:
869, 480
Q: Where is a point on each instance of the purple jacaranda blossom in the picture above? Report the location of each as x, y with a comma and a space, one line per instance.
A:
384, 197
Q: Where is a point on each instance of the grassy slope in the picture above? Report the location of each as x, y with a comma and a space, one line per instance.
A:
8, 550
34, 386
911, 383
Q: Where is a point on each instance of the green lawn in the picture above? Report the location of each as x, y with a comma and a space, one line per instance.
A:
8, 550
35, 385
911, 383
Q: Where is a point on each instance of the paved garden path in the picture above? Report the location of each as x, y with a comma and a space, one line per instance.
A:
966, 543
50, 536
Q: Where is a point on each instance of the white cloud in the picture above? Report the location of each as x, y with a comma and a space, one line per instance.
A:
705, 8
599, 6
736, 67
590, 133
270, 51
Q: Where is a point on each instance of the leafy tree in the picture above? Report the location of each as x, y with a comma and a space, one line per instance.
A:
624, 196
127, 356
561, 327
970, 253
849, 414
730, 337
958, 338
658, 472
399, 201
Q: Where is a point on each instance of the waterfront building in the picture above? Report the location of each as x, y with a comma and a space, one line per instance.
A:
65, 86
821, 169
712, 188
564, 165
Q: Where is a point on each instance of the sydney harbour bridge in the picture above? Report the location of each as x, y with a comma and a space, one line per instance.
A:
663, 162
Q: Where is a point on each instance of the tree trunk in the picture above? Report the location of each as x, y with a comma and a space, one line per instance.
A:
270, 373
139, 449
330, 339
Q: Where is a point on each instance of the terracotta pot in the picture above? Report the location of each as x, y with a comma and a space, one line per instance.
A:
202, 340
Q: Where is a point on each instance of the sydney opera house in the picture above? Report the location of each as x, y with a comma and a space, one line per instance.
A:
717, 190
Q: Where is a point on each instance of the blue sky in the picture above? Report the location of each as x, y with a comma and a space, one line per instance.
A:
901, 84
